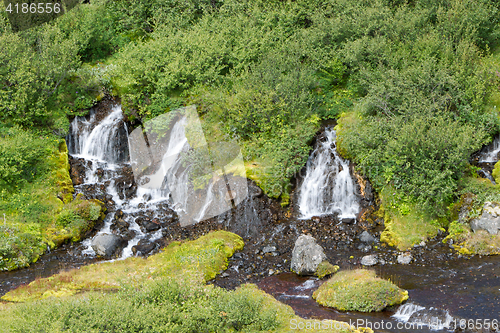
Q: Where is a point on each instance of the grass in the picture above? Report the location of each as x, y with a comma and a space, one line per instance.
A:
359, 290
163, 293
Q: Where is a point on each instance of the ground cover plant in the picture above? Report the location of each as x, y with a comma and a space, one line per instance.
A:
163, 293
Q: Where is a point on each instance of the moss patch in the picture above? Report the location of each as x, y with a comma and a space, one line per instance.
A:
201, 259
496, 172
359, 290
163, 293
325, 268
467, 242
405, 224
42, 212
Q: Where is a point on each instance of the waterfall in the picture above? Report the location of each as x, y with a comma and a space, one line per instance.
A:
202, 180
490, 155
102, 146
327, 187
146, 175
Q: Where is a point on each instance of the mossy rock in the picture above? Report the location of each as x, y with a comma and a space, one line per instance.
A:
359, 290
496, 172
325, 268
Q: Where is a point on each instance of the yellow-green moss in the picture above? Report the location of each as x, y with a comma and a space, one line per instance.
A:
359, 290
405, 224
467, 242
325, 268
496, 172
43, 213
201, 259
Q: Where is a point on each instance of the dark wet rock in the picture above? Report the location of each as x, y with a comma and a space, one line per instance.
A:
147, 224
348, 220
306, 255
128, 235
121, 225
107, 245
369, 260
405, 258
366, 237
119, 214
143, 247
77, 170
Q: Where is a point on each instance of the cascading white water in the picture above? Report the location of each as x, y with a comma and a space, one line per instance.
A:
328, 187
161, 177
491, 154
194, 174
98, 143
435, 322
405, 311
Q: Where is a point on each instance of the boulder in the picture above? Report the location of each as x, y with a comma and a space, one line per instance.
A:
107, 245
405, 258
148, 225
369, 260
143, 247
489, 219
306, 255
366, 237
359, 290
121, 225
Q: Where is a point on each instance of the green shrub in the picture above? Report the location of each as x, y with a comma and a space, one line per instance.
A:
21, 154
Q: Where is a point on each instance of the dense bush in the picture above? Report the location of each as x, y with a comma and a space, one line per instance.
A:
422, 108
160, 306
21, 153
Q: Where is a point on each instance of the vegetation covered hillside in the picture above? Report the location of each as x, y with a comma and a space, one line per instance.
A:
413, 84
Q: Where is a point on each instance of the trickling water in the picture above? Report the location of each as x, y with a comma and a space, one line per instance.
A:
202, 180
143, 174
405, 311
328, 187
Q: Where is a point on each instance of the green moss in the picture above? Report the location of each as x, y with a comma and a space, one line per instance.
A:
359, 290
467, 242
325, 268
165, 292
199, 260
43, 213
405, 224
496, 172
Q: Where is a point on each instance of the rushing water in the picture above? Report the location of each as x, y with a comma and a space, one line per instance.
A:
156, 154
491, 153
328, 186
96, 143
